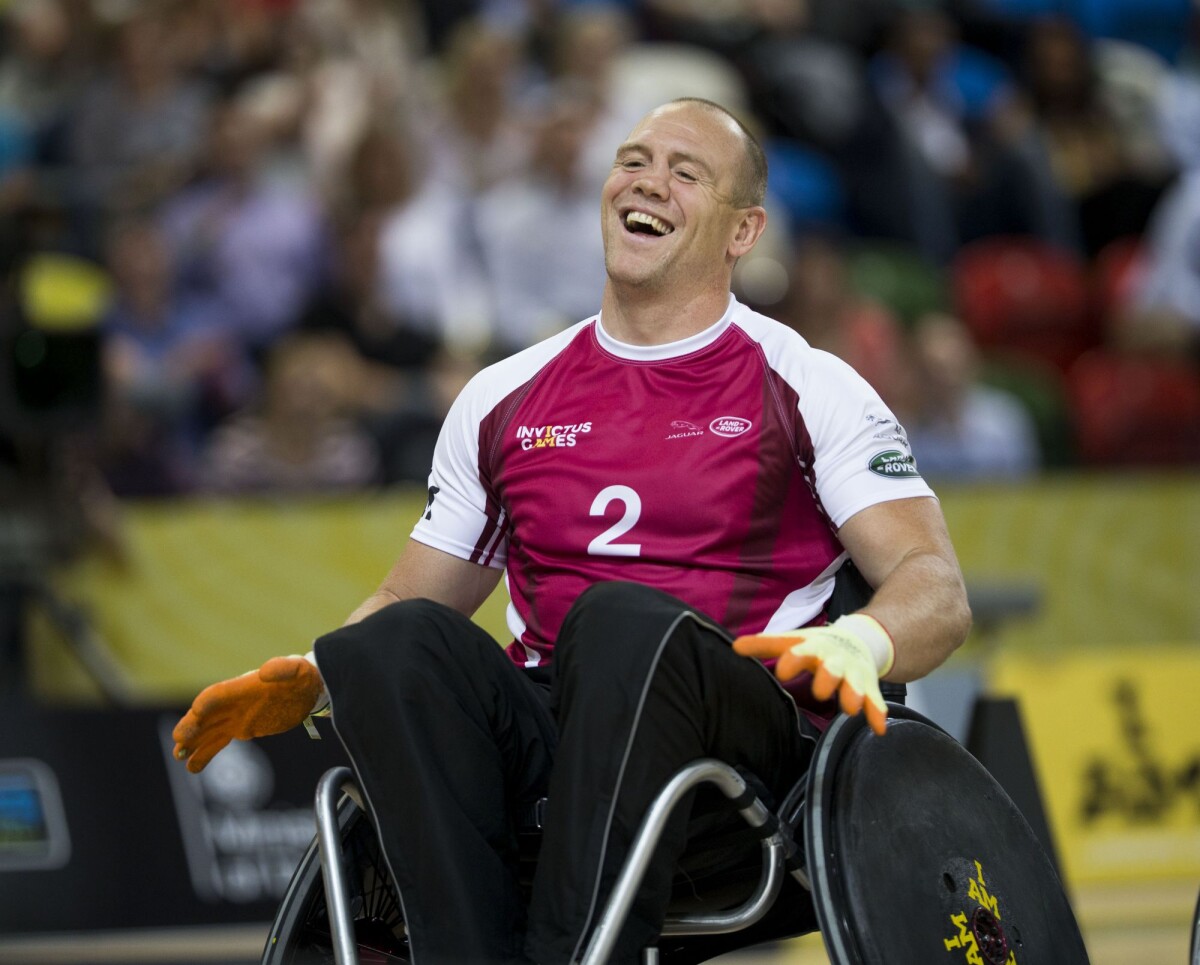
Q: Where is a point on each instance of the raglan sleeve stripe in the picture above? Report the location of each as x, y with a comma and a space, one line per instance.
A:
458, 511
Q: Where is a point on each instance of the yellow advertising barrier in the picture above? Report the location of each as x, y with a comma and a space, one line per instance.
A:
1116, 747
210, 588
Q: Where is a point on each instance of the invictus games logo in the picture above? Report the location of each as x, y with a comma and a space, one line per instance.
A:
729, 426
551, 436
893, 464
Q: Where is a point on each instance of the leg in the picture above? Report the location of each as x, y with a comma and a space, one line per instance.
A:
449, 739
643, 686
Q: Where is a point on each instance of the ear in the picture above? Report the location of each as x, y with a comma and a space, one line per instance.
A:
751, 223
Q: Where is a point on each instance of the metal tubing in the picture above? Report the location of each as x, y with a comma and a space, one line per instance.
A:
732, 786
333, 868
747, 913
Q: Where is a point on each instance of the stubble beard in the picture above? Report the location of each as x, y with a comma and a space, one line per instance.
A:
641, 275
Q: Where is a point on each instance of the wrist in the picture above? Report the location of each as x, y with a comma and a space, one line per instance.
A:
321, 705
876, 637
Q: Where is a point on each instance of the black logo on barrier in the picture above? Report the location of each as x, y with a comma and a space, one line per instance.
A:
1133, 782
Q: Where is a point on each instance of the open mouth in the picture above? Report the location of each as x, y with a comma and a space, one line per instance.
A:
641, 223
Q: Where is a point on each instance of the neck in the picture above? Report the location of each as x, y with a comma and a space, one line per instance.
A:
639, 317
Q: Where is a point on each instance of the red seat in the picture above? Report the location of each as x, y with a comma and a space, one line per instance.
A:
1115, 274
1026, 297
1134, 411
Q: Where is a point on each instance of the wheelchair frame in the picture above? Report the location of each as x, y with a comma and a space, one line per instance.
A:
778, 852
1040, 911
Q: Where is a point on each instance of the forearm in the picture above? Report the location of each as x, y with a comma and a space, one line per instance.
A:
923, 605
375, 602
425, 573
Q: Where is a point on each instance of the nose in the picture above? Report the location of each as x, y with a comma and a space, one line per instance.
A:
652, 183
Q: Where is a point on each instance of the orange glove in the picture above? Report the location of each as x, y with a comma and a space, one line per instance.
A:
847, 658
278, 696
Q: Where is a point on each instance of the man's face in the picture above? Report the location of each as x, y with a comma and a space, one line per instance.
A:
666, 210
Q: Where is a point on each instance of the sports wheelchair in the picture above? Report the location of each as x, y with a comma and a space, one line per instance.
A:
903, 850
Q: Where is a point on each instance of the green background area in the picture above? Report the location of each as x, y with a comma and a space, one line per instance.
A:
205, 590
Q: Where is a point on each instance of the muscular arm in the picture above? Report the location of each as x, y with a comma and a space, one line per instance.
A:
903, 549
424, 572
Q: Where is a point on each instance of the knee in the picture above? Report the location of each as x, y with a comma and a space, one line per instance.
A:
615, 626
602, 604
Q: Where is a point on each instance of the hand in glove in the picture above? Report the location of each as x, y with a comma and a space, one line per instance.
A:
846, 657
276, 697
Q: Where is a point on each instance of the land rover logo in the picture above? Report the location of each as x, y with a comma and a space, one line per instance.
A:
894, 464
729, 426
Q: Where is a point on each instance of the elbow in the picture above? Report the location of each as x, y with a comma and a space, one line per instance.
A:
961, 620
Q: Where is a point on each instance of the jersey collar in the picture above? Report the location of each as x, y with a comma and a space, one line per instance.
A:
669, 350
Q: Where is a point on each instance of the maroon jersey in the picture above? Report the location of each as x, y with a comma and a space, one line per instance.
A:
717, 469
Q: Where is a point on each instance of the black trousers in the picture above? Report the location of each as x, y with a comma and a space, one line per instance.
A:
452, 742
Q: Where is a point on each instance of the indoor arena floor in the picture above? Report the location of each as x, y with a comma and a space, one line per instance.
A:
1142, 925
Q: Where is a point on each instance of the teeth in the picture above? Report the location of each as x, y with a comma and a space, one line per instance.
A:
640, 217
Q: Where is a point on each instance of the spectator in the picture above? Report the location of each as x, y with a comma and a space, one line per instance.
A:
960, 428
42, 71
585, 45
248, 251
939, 166
807, 87
1082, 136
822, 306
351, 302
430, 270
478, 139
299, 439
408, 430
227, 44
346, 64
16, 169
171, 371
137, 132
540, 233
1163, 317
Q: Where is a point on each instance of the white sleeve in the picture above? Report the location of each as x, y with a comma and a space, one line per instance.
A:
456, 515
862, 453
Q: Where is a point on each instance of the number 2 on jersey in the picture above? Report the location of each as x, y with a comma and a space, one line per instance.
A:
604, 545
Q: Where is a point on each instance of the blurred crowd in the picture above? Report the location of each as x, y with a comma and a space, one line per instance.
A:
288, 231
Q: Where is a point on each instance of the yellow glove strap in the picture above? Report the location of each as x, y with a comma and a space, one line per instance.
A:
871, 632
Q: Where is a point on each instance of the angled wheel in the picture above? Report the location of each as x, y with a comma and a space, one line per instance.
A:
301, 935
916, 854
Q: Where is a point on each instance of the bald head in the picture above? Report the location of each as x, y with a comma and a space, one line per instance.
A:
750, 180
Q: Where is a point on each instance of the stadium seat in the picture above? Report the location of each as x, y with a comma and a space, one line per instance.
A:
1134, 411
902, 848
1114, 275
1025, 296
